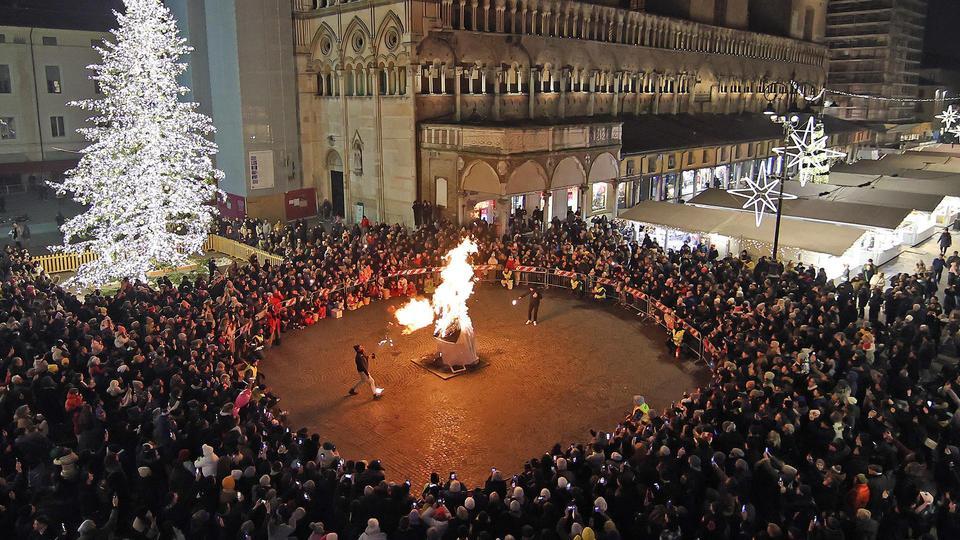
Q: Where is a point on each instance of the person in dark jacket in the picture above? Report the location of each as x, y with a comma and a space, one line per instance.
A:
533, 309
363, 369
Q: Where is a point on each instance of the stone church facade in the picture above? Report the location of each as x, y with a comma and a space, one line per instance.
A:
480, 105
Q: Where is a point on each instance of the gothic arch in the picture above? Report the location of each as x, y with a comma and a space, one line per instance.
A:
324, 29
480, 176
568, 173
527, 178
604, 168
346, 43
390, 21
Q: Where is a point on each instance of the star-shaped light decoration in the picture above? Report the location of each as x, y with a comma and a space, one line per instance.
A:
950, 119
808, 152
761, 193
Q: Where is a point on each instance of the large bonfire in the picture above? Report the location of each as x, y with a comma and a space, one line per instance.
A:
448, 307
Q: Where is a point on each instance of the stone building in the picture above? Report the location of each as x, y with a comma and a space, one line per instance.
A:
482, 105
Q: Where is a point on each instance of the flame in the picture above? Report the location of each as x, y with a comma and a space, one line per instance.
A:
449, 302
415, 315
456, 285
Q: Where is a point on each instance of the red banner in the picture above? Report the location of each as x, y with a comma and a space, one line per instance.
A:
300, 203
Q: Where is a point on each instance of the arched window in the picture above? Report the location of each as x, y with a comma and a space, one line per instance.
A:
349, 82
382, 76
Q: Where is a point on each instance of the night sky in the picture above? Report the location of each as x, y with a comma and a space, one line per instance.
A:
941, 47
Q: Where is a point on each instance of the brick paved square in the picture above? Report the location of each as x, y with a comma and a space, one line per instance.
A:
578, 369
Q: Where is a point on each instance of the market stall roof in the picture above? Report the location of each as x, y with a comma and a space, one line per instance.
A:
816, 209
799, 234
923, 202
929, 182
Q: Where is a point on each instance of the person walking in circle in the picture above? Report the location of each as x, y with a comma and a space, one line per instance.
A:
533, 309
945, 241
363, 369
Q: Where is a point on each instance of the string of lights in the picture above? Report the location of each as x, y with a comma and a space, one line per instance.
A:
823, 91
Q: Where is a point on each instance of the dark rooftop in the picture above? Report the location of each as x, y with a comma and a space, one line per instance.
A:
95, 15
654, 132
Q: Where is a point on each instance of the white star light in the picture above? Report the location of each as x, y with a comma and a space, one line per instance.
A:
760, 194
808, 152
950, 119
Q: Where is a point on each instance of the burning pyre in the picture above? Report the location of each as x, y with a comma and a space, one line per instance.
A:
448, 307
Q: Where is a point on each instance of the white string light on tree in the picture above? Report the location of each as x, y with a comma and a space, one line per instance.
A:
147, 177
809, 153
761, 193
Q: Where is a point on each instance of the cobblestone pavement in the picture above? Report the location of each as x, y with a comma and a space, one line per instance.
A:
578, 369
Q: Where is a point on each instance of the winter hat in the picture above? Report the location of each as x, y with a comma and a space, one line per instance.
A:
600, 503
515, 506
249, 472
237, 474
228, 483
265, 480
562, 483
470, 503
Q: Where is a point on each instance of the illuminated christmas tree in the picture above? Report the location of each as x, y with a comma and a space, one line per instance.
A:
147, 176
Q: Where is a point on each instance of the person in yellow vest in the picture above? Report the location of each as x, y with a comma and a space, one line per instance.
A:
507, 280
678, 340
576, 285
599, 292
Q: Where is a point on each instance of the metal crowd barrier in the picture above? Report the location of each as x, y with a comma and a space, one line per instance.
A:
647, 308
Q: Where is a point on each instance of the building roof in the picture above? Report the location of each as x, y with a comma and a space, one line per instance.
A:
850, 213
660, 132
816, 237
92, 15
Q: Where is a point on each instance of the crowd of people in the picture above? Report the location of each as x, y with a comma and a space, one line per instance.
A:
143, 414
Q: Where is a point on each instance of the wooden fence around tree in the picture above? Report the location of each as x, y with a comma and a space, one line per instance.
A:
57, 263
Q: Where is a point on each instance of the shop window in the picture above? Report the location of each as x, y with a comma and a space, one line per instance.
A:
599, 199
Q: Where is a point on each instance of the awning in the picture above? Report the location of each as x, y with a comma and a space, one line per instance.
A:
816, 209
817, 237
